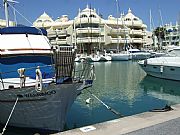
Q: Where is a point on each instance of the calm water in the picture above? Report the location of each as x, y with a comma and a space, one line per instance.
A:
124, 87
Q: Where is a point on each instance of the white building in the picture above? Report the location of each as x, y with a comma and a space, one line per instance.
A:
172, 35
89, 31
3, 23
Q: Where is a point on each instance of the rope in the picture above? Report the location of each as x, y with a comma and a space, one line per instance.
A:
108, 107
9, 116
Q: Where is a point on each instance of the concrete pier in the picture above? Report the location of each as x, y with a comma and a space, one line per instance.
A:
147, 123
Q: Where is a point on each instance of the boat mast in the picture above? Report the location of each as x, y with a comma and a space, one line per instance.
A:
117, 8
6, 12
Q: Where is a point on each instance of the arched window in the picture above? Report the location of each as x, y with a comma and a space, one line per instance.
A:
83, 16
47, 21
39, 21
127, 19
92, 16
135, 19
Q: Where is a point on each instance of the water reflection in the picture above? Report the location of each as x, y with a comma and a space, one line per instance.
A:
125, 87
117, 81
162, 89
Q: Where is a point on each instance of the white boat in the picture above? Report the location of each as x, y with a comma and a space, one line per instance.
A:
37, 84
80, 57
120, 56
105, 57
136, 54
93, 58
45, 90
157, 54
162, 67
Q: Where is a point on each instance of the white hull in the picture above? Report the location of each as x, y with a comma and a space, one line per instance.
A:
119, 57
140, 56
93, 58
80, 57
105, 58
44, 110
162, 67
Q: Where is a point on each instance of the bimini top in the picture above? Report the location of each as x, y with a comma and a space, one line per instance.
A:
23, 30
23, 40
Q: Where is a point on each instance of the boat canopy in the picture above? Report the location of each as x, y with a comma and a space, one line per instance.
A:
23, 30
21, 40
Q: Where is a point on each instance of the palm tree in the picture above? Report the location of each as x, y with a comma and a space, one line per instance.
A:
159, 32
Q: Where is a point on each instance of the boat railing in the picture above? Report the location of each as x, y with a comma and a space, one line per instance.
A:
85, 73
26, 76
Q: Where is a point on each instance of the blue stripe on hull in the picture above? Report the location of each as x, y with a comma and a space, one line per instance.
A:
15, 62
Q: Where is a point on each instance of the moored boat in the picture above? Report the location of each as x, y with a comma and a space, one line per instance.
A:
39, 81
136, 54
162, 67
120, 56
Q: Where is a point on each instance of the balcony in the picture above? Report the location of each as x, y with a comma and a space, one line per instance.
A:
90, 40
87, 20
88, 30
119, 40
58, 41
61, 32
54, 33
118, 31
133, 24
136, 32
137, 40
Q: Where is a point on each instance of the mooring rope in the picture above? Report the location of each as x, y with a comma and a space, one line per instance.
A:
108, 107
9, 116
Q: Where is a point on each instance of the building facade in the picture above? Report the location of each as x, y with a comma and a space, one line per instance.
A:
89, 31
172, 35
3, 23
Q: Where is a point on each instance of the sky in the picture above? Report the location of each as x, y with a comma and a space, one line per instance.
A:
32, 9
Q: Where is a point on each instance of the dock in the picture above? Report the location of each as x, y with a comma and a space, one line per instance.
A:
147, 123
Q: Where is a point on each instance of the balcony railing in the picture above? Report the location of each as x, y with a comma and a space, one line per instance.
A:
137, 40
90, 40
88, 30
136, 32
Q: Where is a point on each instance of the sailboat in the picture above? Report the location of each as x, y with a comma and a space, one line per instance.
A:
38, 83
120, 56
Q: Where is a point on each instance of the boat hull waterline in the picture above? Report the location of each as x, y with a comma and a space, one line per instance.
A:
45, 110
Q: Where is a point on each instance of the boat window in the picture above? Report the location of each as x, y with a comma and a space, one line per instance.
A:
172, 69
135, 19
154, 67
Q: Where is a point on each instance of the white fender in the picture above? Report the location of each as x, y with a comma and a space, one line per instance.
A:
21, 72
161, 69
38, 85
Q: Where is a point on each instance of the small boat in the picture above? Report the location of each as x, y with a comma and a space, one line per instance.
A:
93, 58
105, 57
80, 57
120, 56
162, 67
136, 54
